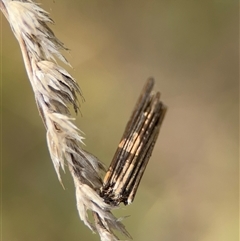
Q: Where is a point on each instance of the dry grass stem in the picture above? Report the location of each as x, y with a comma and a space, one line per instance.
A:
55, 90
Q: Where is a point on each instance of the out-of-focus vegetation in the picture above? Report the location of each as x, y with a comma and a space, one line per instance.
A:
190, 189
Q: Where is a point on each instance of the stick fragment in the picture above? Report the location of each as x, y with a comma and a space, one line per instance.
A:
135, 148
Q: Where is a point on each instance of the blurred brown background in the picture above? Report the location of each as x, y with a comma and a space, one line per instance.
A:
190, 189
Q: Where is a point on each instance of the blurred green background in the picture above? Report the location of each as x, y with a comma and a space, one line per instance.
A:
190, 189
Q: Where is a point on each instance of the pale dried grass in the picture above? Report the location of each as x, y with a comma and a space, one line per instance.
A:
55, 91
